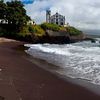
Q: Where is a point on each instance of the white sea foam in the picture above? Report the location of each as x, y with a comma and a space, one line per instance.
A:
79, 60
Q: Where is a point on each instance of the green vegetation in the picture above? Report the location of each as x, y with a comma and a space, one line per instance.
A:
13, 13
13, 18
73, 31
69, 29
49, 26
36, 30
2, 9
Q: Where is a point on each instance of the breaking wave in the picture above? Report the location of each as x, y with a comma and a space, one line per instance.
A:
78, 60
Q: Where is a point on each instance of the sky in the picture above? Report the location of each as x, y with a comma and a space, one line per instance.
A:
83, 14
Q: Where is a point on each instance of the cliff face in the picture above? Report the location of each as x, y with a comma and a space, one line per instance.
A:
60, 37
77, 38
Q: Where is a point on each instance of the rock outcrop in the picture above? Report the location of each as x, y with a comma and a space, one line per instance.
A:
60, 37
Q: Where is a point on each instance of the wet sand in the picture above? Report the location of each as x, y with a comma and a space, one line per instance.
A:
21, 79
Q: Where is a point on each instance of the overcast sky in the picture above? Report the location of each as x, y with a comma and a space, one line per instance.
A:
79, 13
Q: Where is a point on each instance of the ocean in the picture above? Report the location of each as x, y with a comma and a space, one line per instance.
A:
91, 32
78, 60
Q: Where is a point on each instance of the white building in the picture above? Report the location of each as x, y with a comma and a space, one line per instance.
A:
3, 21
31, 22
55, 19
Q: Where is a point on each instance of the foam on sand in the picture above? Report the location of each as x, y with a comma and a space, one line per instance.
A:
79, 60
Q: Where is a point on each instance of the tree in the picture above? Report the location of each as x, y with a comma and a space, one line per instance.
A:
2, 10
16, 14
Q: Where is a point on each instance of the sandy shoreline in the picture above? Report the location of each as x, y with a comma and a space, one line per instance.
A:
53, 68
20, 79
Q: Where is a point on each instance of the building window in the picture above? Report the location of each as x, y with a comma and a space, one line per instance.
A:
56, 16
61, 19
62, 23
56, 22
52, 20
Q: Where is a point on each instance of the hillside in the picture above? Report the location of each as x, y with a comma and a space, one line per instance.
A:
56, 34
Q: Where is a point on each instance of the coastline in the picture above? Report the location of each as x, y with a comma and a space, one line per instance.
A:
21, 79
53, 68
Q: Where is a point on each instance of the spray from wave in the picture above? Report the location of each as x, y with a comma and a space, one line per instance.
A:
79, 60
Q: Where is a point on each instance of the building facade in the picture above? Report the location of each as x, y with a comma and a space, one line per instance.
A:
3, 21
55, 19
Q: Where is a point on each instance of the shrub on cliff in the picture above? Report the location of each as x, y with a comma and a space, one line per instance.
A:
36, 33
73, 31
48, 26
36, 30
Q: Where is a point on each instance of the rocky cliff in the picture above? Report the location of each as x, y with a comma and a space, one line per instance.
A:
60, 37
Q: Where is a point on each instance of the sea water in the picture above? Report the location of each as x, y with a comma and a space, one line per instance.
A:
78, 60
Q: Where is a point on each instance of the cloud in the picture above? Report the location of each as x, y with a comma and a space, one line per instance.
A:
79, 13
37, 10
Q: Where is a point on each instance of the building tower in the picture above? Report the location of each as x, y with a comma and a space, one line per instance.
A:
48, 15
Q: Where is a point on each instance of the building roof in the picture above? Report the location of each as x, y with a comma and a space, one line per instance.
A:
57, 14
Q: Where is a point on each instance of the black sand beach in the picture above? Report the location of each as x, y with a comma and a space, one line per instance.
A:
21, 79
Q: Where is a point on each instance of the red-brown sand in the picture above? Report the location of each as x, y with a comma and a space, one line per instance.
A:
20, 79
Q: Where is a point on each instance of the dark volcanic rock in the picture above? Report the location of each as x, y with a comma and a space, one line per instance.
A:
61, 37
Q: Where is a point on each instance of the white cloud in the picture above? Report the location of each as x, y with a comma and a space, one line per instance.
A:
80, 13
37, 10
